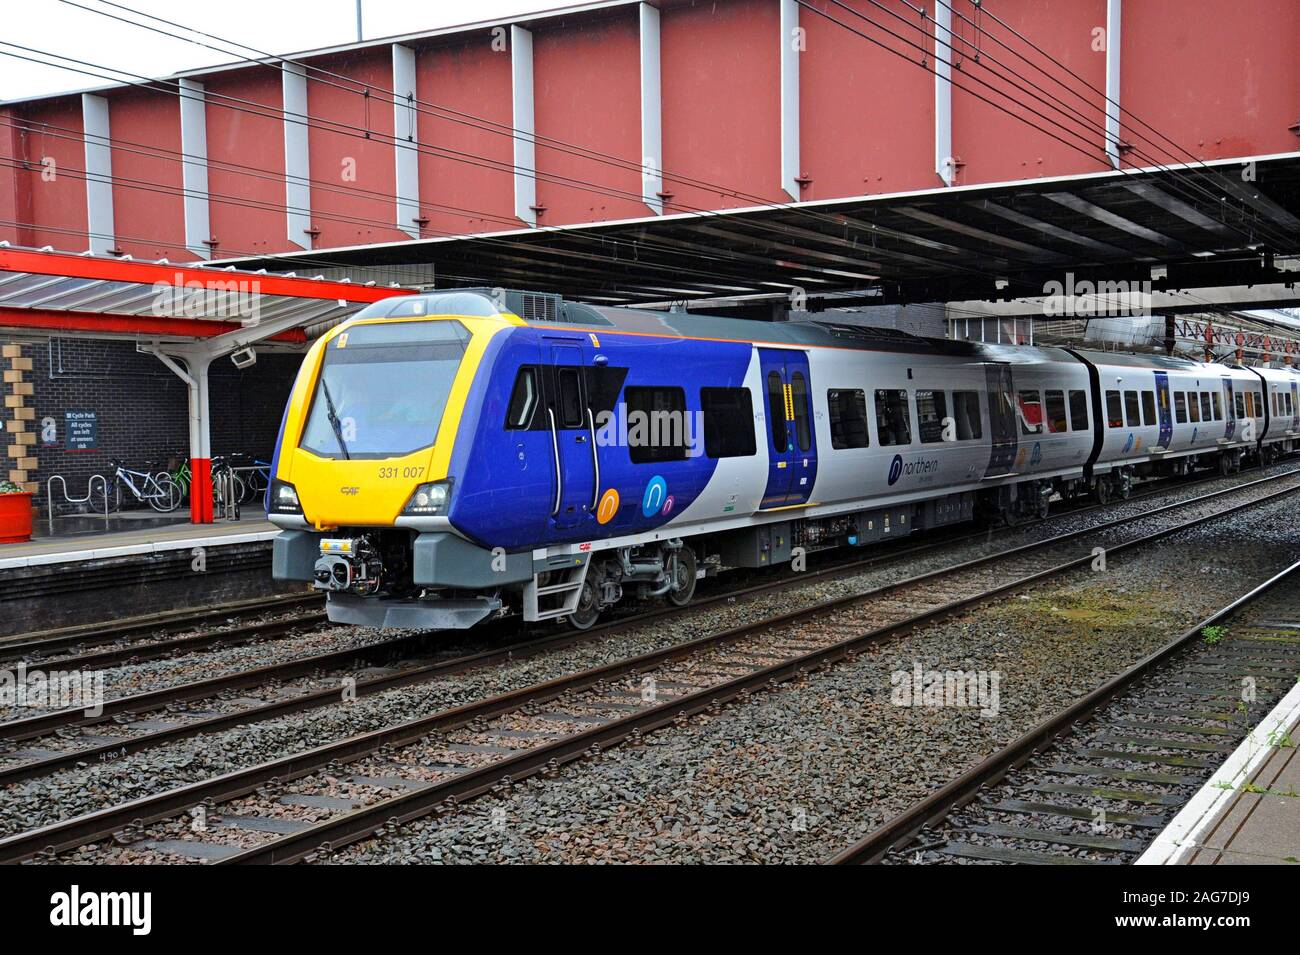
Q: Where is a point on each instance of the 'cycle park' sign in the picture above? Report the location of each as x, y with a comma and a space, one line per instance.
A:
80, 430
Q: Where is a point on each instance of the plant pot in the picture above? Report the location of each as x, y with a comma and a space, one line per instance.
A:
15, 518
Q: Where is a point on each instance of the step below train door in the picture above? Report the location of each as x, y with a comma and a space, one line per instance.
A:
792, 439
1002, 418
572, 435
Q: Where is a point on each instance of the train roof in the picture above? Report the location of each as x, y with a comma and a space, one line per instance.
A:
540, 307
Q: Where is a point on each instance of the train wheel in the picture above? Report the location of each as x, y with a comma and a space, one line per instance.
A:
683, 586
1125, 487
1102, 490
587, 612
1225, 464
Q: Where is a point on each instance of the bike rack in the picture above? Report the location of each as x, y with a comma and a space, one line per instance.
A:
90, 490
226, 486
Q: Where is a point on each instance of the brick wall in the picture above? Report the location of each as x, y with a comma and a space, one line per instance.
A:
141, 407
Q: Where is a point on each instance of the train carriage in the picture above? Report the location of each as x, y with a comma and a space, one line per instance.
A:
443, 460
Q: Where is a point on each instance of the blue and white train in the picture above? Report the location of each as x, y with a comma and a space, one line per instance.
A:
444, 460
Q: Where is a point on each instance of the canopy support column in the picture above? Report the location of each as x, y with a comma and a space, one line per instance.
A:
195, 375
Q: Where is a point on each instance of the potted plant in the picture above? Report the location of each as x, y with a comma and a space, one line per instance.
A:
15, 513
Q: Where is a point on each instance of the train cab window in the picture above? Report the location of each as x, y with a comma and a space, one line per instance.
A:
776, 411
931, 413
1054, 404
1180, 407
656, 424
1078, 411
966, 414
1149, 409
847, 409
570, 405
1218, 406
1114, 410
1031, 412
802, 417
728, 422
523, 400
1207, 412
1193, 406
893, 425
1132, 409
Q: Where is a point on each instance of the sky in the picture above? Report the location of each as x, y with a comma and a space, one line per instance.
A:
69, 28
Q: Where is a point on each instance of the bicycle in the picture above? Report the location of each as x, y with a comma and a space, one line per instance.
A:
178, 467
159, 490
256, 476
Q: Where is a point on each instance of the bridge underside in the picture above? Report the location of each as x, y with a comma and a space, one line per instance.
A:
1227, 225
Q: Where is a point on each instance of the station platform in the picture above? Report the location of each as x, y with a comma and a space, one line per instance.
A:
137, 564
127, 534
1248, 812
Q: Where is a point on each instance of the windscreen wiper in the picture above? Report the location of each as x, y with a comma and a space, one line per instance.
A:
333, 415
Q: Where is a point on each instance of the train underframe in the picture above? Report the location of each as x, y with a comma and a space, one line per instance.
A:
399, 578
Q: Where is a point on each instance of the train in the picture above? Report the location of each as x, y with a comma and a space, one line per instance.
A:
457, 456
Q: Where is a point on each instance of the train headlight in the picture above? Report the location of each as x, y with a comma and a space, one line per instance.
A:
428, 499
283, 498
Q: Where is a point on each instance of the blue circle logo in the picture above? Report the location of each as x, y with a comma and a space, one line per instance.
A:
1037, 454
895, 469
656, 495
1128, 445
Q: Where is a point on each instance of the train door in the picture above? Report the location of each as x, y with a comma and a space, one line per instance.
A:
1002, 418
792, 440
573, 439
1162, 403
1230, 408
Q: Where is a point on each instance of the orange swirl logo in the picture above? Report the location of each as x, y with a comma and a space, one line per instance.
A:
607, 507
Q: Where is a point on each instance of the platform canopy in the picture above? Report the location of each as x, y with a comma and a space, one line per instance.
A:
1232, 227
186, 315
118, 298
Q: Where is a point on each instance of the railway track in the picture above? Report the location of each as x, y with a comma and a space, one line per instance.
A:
165, 716
374, 782
1095, 784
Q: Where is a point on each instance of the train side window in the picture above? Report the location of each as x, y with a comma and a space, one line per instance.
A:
1180, 407
966, 412
728, 422
1218, 406
523, 400
570, 405
656, 423
1031, 412
1114, 410
1193, 406
893, 424
847, 408
1207, 412
1132, 409
1149, 408
1054, 405
931, 412
799, 403
776, 411
1241, 405
1250, 404
1078, 411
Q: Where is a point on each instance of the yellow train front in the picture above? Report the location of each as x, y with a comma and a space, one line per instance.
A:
361, 478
